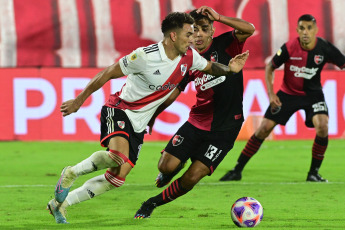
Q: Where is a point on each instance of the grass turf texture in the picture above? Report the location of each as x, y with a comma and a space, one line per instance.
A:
275, 176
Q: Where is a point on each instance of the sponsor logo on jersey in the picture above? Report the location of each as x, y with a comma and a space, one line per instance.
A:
279, 52
214, 56
183, 69
121, 124
318, 59
303, 72
295, 58
167, 86
157, 72
203, 79
133, 57
212, 83
177, 140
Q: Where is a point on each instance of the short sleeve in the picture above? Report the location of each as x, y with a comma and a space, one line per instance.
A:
199, 62
335, 56
134, 62
230, 43
280, 57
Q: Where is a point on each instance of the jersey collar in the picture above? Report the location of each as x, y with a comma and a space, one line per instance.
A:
163, 54
162, 51
299, 42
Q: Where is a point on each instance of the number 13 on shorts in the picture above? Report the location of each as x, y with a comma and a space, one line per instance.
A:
212, 153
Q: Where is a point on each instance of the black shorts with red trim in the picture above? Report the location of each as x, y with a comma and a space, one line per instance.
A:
114, 122
312, 104
209, 147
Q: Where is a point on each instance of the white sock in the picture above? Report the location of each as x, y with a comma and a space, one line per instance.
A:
99, 160
91, 188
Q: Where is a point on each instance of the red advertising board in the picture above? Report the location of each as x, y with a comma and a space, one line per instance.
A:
30, 101
50, 49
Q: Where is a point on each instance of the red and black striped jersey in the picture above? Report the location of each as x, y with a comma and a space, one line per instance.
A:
302, 69
219, 99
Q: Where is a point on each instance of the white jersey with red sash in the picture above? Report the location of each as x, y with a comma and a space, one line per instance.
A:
152, 77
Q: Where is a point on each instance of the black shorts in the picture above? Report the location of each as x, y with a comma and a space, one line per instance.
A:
209, 147
312, 104
114, 122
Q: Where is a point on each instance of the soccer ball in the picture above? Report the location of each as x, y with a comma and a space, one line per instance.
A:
246, 212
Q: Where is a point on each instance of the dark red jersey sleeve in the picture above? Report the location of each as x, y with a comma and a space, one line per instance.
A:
335, 56
280, 57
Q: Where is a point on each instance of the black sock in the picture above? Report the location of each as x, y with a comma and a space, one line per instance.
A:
241, 162
253, 145
318, 153
169, 194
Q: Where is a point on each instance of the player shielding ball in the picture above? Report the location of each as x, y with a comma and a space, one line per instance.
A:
153, 74
303, 58
214, 121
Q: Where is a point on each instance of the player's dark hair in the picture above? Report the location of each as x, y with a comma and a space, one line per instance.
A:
307, 17
198, 16
175, 20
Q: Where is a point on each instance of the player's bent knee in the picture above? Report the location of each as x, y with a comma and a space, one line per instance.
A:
113, 179
168, 163
166, 167
323, 127
117, 157
162, 167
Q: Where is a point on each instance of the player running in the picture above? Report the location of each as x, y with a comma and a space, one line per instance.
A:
304, 58
153, 74
216, 118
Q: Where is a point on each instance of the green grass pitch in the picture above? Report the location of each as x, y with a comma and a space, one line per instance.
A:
275, 176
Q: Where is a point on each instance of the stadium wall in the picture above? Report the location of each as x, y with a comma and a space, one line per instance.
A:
49, 49
31, 97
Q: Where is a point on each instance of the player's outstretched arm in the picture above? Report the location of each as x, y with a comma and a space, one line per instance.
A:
73, 105
235, 65
243, 28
